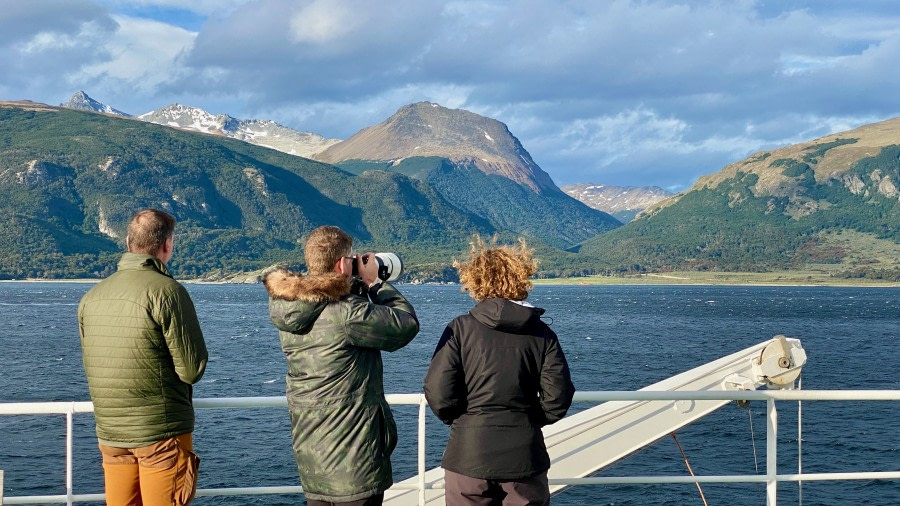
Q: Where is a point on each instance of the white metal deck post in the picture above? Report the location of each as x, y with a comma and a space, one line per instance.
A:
771, 453
69, 438
422, 450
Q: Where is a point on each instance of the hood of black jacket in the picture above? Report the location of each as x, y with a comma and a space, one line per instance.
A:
505, 315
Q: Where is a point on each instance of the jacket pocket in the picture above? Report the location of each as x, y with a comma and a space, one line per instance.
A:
388, 431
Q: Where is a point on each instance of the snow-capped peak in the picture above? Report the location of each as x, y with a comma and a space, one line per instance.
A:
82, 102
265, 133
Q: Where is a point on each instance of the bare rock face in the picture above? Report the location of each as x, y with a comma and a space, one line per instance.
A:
427, 129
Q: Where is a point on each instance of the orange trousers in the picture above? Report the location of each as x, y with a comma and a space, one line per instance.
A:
161, 474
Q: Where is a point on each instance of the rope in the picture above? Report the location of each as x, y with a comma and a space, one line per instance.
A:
688, 464
753, 441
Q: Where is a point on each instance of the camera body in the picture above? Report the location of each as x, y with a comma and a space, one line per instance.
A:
389, 265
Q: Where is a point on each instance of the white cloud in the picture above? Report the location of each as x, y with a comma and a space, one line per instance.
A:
142, 53
323, 21
654, 90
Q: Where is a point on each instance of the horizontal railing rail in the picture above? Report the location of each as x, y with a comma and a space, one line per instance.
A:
771, 478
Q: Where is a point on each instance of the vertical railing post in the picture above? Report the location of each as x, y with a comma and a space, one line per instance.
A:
771, 453
421, 450
69, 438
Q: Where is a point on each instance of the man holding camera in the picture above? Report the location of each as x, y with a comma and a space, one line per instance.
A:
333, 326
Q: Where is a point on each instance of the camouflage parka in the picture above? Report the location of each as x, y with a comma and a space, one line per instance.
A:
342, 428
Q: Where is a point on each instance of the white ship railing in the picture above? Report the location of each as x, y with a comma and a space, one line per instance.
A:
771, 478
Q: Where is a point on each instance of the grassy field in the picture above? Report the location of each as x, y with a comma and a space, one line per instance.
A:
786, 278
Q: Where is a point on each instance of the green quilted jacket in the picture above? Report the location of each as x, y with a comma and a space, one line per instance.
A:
343, 430
142, 350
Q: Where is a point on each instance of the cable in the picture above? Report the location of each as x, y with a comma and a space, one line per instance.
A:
688, 464
753, 442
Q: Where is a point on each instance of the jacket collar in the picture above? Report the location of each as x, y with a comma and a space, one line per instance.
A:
505, 315
292, 286
142, 261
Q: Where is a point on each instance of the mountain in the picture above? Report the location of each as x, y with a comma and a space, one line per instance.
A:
832, 204
477, 165
425, 129
622, 202
70, 180
264, 133
81, 101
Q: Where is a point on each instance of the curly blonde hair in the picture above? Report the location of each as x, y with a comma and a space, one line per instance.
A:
495, 271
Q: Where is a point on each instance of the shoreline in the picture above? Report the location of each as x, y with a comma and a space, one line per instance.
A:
644, 280
782, 278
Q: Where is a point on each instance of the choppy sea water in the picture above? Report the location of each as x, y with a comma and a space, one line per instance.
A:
615, 338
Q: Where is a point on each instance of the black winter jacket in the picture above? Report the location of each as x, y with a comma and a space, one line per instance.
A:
497, 376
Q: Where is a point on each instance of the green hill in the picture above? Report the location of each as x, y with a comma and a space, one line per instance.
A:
550, 216
829, 204
69, 181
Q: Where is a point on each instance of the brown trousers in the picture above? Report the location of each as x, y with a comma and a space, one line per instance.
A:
460, 490
161, 474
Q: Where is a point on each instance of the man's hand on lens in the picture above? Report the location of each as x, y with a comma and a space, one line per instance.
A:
368, 268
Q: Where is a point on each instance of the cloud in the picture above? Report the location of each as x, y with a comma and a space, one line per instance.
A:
54, 48
142, 56
323, 22
652, 91
39, 41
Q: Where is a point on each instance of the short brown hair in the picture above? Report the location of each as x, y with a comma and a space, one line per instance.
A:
324, 247
497, 271
148, 230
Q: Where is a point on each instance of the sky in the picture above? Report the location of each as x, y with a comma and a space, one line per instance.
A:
637, 93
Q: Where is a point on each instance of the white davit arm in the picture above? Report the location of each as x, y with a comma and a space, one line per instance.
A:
583, 443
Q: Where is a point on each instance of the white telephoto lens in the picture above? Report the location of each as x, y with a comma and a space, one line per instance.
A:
393, 264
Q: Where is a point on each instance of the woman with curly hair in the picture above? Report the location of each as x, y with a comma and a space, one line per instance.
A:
497, 376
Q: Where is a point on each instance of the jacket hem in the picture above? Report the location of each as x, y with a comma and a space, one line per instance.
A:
495, 476
140, 444
344, 498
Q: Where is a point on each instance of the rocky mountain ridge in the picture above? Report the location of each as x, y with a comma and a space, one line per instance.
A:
784, 173
831, 204
490, 153
82, 102
266, 133
426, 129
623, 202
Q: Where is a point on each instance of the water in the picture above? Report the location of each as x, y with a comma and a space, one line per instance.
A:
616, 338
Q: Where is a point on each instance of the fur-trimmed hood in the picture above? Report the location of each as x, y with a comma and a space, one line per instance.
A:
292, 286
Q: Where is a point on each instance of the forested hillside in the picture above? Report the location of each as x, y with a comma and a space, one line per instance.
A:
833, 201
69, 181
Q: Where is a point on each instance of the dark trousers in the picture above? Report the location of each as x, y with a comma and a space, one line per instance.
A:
462, 490
375, 500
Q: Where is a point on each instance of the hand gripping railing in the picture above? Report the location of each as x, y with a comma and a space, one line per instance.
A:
771, 478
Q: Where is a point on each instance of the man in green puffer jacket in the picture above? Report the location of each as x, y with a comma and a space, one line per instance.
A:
333, 329
143, 349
